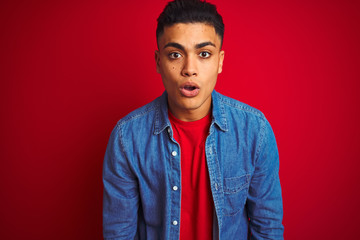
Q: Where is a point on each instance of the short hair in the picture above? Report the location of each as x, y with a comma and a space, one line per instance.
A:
190, 11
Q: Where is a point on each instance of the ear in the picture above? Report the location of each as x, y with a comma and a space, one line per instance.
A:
157, 60
221, 60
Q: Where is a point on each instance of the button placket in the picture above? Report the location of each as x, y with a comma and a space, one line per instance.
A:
175, 188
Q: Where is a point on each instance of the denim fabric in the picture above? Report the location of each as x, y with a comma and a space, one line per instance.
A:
142, 166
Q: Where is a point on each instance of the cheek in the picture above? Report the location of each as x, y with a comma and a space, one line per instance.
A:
170, 71
211, 70
169, 77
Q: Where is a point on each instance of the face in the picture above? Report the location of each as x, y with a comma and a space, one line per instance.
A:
189, 60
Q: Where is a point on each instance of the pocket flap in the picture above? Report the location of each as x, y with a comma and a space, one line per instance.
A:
235, 184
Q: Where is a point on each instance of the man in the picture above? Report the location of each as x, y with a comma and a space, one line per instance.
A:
192, 164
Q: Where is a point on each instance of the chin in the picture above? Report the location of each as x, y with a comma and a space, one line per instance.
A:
190, 104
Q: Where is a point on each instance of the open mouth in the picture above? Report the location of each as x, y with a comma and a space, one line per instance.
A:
189, 90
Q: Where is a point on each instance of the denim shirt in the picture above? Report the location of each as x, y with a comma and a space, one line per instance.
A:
142, 175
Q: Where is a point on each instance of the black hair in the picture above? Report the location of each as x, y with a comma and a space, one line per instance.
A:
190, 11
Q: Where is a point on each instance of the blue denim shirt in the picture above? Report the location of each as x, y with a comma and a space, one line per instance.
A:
142, 175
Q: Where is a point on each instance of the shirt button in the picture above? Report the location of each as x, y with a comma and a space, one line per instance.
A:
175, 188
174, 153
175, 223
168, 130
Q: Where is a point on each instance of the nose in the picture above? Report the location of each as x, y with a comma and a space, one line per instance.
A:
190, 67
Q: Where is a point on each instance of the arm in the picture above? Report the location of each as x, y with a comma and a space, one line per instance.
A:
264, 203
120, 200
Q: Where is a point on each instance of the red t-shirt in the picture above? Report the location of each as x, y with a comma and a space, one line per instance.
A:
196, 200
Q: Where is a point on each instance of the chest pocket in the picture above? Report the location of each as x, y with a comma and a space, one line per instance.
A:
235, 193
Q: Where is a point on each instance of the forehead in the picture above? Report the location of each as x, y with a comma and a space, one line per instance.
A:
189, 34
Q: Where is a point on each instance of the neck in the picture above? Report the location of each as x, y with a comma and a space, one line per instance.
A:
190, 115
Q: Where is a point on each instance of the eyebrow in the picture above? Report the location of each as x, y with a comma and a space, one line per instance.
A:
175, 45
204, 44
181, 47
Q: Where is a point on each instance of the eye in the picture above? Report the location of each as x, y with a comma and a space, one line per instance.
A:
174, 55
205, 54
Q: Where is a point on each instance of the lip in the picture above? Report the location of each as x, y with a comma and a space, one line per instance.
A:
189, 89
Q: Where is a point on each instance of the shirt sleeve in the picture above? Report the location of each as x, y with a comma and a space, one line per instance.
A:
264, 204
121, 198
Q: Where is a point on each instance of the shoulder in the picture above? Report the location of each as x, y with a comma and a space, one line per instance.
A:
234, 107
247, 123
241, 119
137, 125
140, 114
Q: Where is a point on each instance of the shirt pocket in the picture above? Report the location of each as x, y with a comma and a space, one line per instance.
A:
235, 193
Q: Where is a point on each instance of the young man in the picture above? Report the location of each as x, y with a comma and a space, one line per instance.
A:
192, 164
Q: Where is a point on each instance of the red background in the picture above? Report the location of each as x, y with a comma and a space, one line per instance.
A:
70, 69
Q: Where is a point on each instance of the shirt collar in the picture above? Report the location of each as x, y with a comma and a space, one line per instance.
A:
162, 118
161, 115
218, 111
